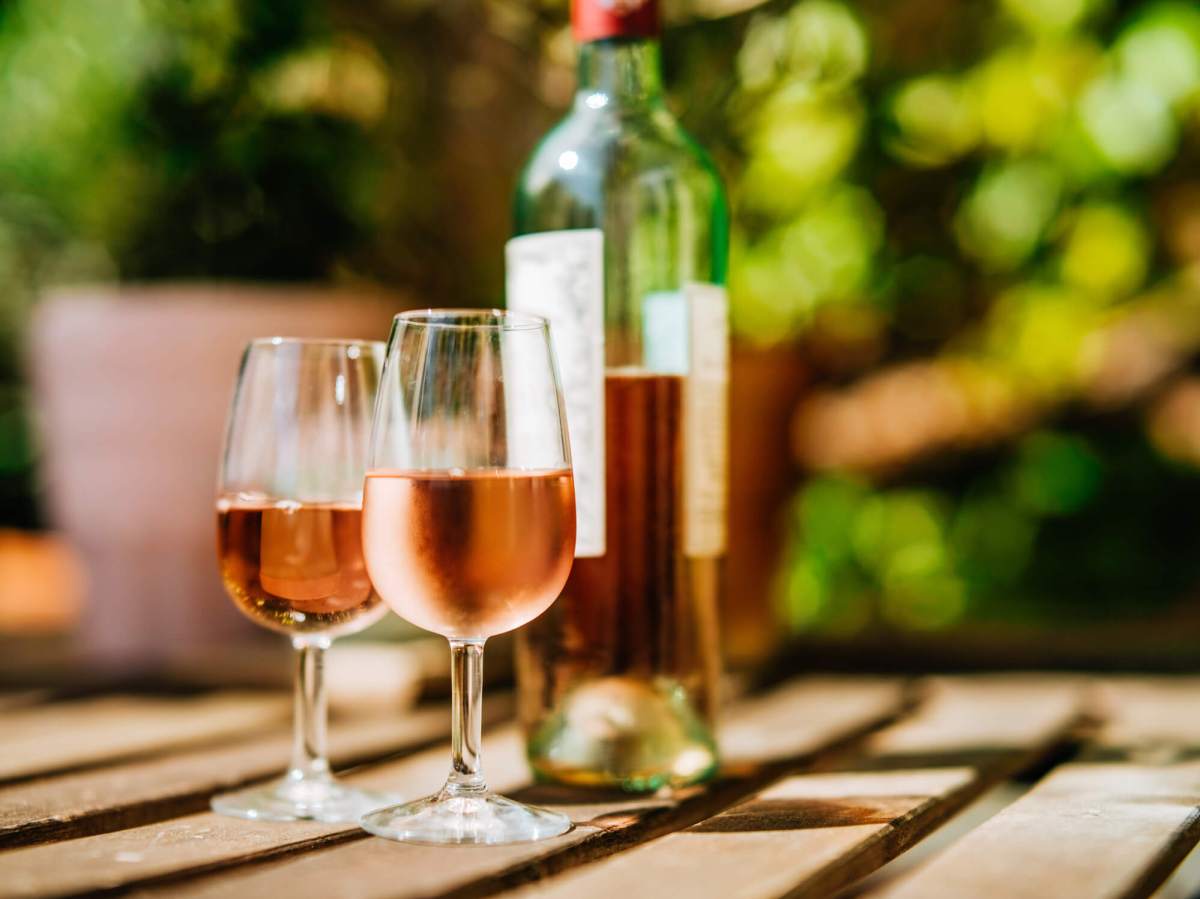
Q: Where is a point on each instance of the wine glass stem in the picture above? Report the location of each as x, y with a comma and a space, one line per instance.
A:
309, 719
466, 717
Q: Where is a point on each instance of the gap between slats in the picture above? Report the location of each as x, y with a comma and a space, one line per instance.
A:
141, 792
811, 834
187, 846
1112, 825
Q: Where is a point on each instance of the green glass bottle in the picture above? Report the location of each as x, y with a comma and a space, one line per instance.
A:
621, 240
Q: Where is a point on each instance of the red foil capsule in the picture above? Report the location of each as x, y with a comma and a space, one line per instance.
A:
595, 20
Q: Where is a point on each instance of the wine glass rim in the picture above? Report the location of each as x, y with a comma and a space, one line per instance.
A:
472, 319
281, 340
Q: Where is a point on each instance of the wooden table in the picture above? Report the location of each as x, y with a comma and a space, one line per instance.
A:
826, 780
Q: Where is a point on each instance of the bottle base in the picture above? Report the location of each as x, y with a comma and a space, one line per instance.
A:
625, 733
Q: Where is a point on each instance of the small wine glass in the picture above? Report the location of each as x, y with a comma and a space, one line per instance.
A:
289, 539
468, 528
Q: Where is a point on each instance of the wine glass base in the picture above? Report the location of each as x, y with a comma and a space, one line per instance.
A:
478, 820
288, 799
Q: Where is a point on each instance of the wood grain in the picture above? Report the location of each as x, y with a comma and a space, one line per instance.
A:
1114, 824
833, 710
972, 718
802, 715
370, 867
15, 699
1149, 713
811, 834
1086, 830
1111, 824
205, 841
139, 792
65, 735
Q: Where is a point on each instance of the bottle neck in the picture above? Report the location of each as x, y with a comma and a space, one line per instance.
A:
619, 73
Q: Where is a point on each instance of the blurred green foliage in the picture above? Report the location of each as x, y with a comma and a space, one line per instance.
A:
1002, 193
1070, 526
1024, 158
159, 139
283, 140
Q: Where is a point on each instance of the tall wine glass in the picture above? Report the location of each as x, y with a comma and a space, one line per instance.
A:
289, 538
468, 528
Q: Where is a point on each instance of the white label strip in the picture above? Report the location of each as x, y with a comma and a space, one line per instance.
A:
705, 421
560, 275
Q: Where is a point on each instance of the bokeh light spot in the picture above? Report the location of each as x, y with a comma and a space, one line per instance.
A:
1056, 474
1162, 51
1042, 16
1005, 217
1106, 251
1130, 125
936, 121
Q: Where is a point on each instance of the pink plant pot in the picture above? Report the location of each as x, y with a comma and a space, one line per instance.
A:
132, 385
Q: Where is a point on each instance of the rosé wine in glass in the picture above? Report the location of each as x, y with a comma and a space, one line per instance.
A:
469, 554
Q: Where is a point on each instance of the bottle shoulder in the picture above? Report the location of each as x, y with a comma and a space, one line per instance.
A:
588, 149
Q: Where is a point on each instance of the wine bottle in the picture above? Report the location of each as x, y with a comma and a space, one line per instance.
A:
621, 238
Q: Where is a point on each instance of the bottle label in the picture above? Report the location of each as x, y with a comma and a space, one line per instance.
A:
595, 20
687, 333
560, 276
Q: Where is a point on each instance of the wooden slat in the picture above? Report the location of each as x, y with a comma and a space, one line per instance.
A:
203, 842
1149, 714
1114, 824
206, 840
759, 731
1087, 830
16, 699
65, 735
139, 792
800, 716
368, 868
981, 717
768, 846
811, 834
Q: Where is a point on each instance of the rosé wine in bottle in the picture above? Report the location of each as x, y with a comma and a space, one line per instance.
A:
620, 241
469, 554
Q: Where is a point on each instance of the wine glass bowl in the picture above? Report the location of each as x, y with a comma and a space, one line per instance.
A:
289, 539
445, 552
296, 568
468, 528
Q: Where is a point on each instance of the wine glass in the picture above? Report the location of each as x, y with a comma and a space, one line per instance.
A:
468, 528
289, 538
